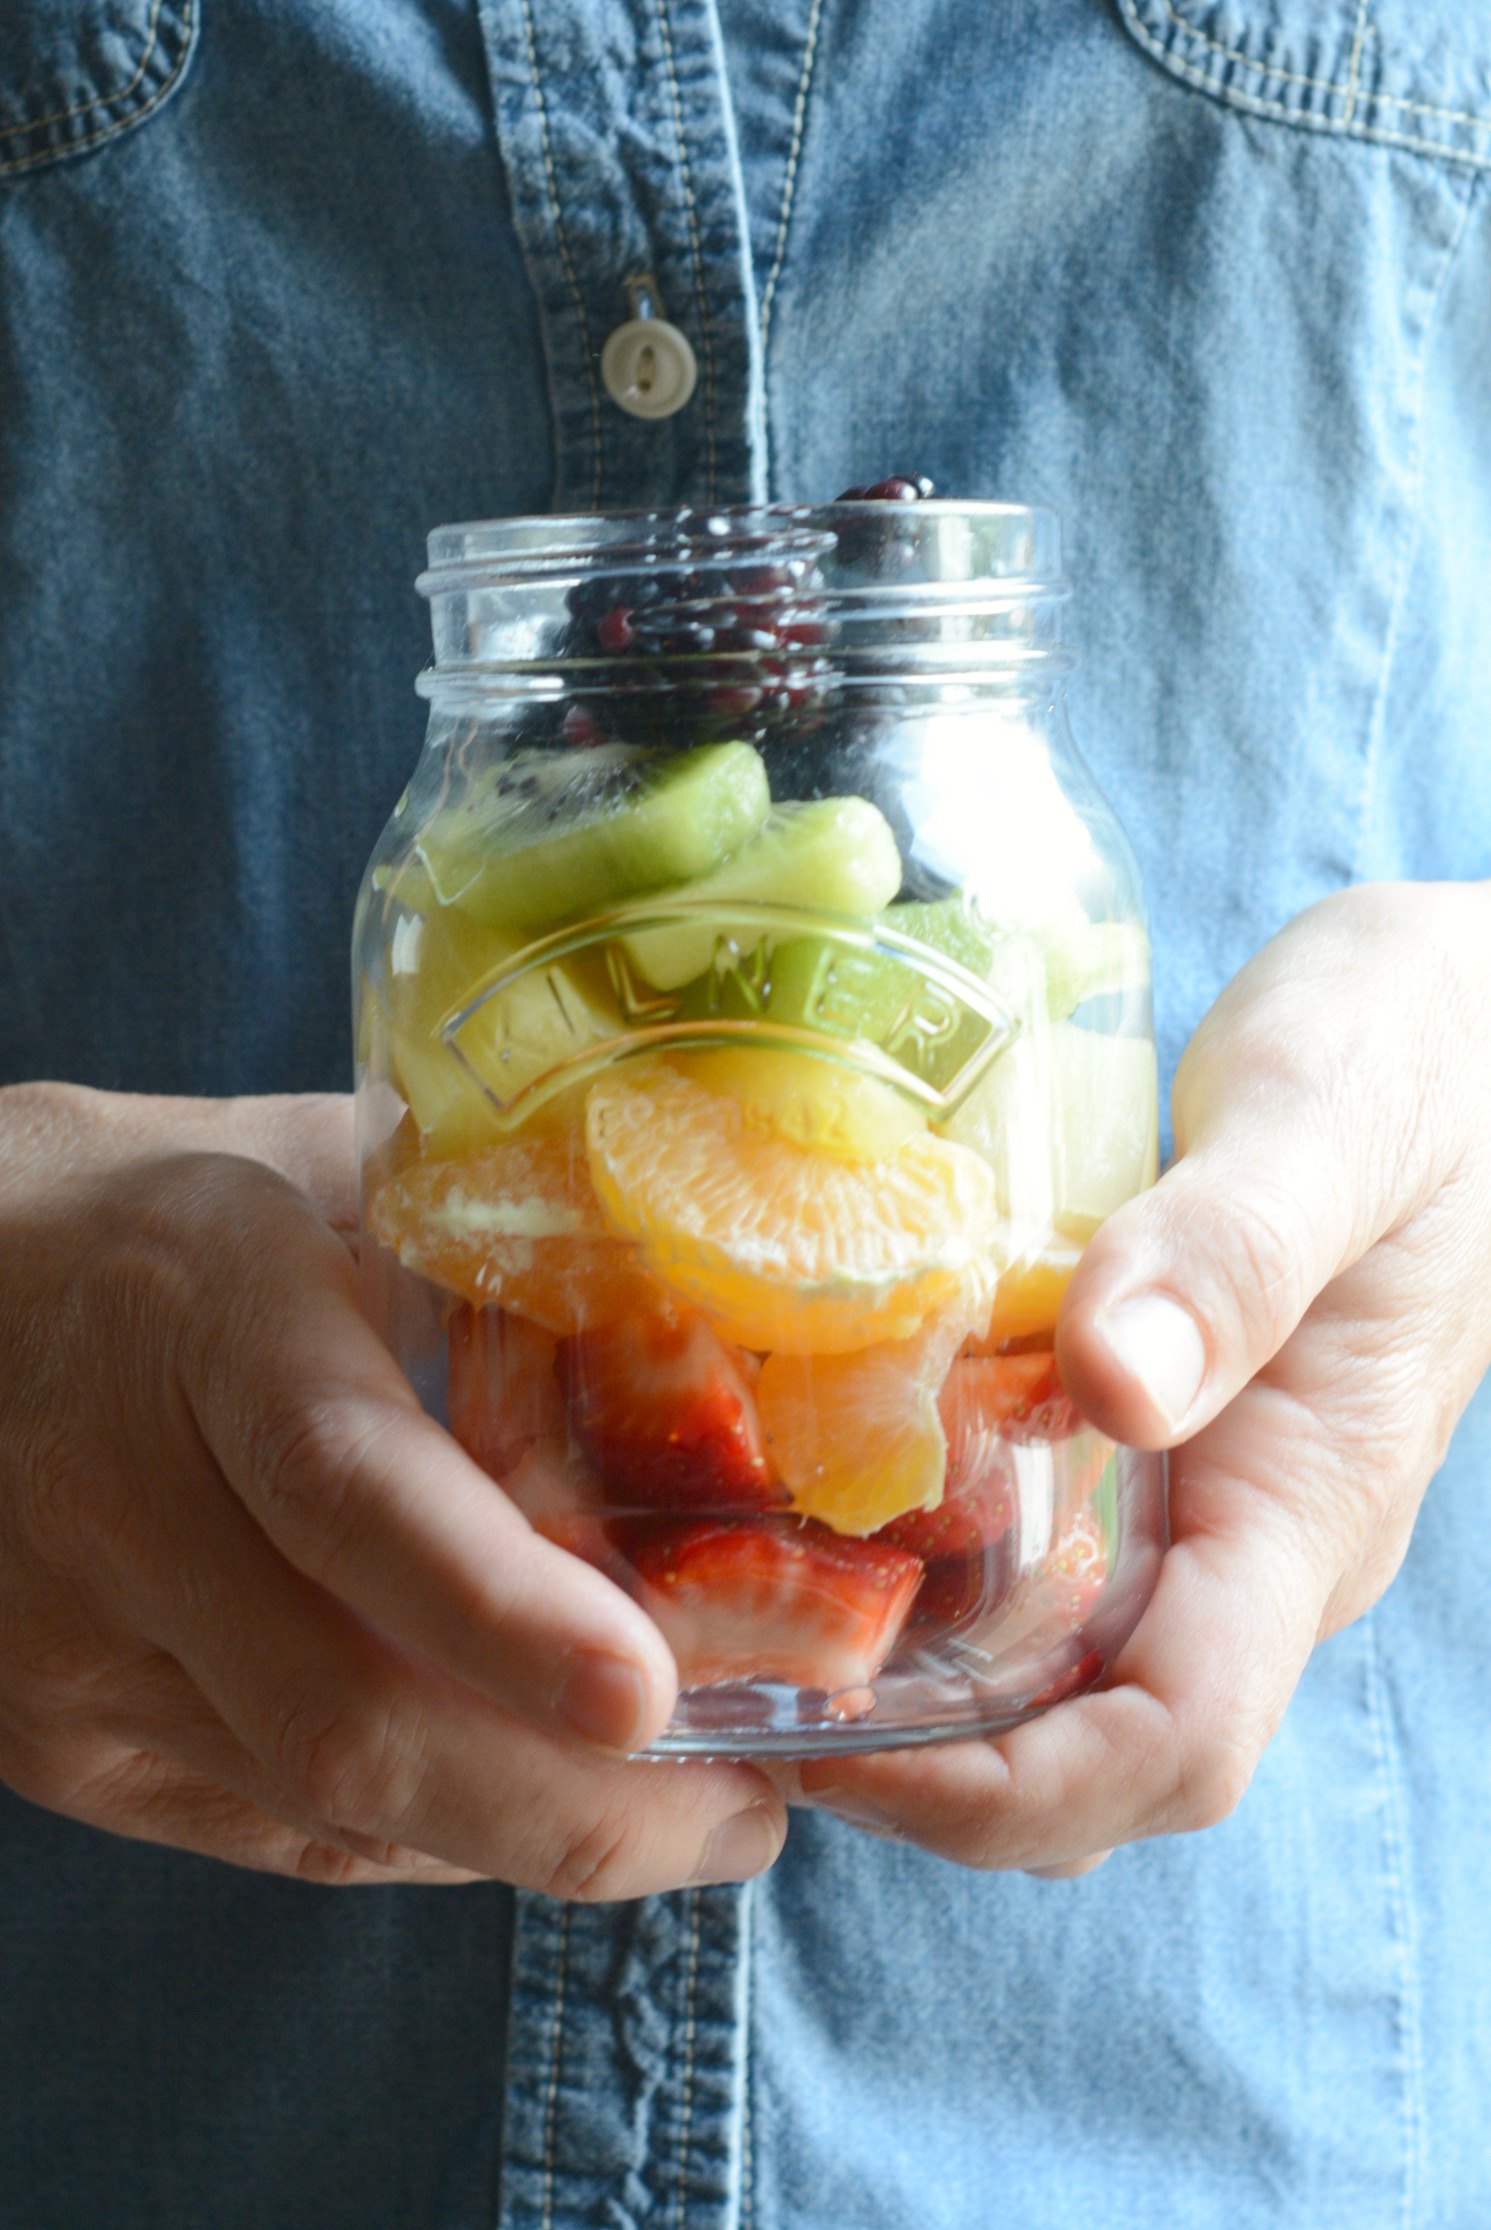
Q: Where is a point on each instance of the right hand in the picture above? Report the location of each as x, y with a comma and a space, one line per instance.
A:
253, 1602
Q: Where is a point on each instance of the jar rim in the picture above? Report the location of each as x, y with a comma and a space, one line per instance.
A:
1017, 542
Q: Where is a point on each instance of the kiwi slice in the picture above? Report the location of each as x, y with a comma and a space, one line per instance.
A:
836, 855
869, 992
568, 835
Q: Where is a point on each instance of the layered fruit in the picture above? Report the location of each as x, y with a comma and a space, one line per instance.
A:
750, 1181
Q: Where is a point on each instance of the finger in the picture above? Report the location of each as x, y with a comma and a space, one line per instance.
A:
1072, 1871
310, 1138
320, 1435
156, 1799
354, 1733
1171, 1743
1186, 1291
135, 1726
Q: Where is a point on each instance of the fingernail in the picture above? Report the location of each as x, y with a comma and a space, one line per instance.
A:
741, 1847
603, 1698
858, 1811
1156, 1343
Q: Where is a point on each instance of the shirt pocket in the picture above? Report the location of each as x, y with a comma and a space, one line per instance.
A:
76, 73
1412, 74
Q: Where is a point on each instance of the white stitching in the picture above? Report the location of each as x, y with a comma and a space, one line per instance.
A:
1405, 1930
1378, 134
564, 255
1377, 717
681, 2193
1359, 32
789, 183
100, 100
551, 2096
705, 331
747, 2160
104, 132
1295, 77
747, 2135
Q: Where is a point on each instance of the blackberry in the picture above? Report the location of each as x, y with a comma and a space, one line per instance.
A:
900, 488
699, 650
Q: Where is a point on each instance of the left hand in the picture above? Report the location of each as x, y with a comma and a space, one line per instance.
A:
1301, 1308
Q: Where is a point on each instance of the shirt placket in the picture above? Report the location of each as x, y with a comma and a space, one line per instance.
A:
626, 2064
615, 128
627, 2026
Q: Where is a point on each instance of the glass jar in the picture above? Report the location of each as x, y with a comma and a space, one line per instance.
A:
753, 1025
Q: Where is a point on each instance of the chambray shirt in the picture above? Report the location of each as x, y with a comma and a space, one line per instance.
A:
283, 283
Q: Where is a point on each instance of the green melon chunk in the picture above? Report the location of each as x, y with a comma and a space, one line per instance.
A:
537, 850
1090, 960
1067, 1119
513, 1040
836, 855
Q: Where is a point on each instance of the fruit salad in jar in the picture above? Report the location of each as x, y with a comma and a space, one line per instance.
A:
753, 1026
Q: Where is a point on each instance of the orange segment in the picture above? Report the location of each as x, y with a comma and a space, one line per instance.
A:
1034, 1272
517, 1224
858, 1438
785, 1248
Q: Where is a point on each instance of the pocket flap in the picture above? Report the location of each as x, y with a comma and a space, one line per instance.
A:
1402, 73
74, 73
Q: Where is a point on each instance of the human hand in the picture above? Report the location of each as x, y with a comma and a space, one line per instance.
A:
1301, 1309
253, 1602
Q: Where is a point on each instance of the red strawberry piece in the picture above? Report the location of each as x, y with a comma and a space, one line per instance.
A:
666, 1413
978, 1499
1076, 1677
774, 1599
592, 1540
958, 1588
1077, 1569
1020, 1397
504, 1398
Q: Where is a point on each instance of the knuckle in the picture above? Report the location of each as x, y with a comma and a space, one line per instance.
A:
1213, 1783
331, 1866
308, 1459
598, 1861
63, 1776
1265, 1259
350, 1760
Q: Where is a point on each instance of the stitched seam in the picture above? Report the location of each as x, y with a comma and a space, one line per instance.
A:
1295, 77
706, 334
789, 190
1377, 134
551, 2095
104, 132
747, 2133
1405, 1932
789, 183
1353, 75
564, 255
686, 2114
1377, 718
100, 100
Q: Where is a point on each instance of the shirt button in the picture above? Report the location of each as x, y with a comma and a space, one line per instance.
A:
649, 367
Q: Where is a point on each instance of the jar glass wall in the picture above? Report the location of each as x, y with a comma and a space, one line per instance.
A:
753, 1026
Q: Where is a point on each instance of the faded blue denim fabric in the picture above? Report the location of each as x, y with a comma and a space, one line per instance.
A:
1213, 277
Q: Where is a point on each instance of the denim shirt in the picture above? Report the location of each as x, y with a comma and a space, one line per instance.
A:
285, 282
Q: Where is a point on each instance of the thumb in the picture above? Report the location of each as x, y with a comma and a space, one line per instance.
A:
1189, 1290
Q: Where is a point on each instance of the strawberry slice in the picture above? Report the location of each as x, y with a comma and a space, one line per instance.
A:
666, 1413
504, 1398
959, 1588
1020, 1397
981, 1489
774, 1599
